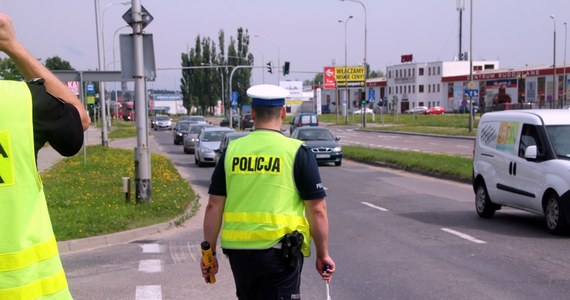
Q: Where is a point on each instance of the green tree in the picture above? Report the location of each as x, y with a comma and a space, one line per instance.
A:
56, 63
204, 67
8, 70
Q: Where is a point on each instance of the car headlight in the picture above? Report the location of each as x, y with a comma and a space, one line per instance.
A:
337, 149
179, 134
206, 150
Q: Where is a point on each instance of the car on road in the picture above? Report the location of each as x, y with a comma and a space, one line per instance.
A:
195, 119
417, 110
226, 122
191, 137
180, 131
228, 137
163, 122
521, 159
436, 110
359, 111
209, 140
304, 119
322, 143
153, 120
246, 122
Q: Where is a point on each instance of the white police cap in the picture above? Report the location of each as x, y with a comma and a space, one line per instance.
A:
267, 95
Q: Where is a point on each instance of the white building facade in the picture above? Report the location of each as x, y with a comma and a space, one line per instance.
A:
412, 84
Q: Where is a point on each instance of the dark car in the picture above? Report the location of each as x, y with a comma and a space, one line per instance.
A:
180, 131
228, 137
191, 137
304, 119
226, 122
246, 122
322, 143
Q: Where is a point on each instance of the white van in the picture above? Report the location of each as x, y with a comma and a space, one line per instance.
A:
522, 160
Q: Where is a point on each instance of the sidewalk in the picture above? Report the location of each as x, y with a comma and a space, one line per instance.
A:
47, 157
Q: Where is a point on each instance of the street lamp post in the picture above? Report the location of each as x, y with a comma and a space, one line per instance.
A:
553, 63
565, 81
365, 62
278, 56
345, 68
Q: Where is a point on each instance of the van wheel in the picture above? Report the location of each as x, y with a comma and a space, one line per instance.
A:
485, 208
554, 216
338, 163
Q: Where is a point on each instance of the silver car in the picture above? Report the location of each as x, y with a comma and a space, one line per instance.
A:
208, 141
163, 122
191, 137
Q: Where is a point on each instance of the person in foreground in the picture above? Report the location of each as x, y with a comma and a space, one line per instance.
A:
268, 200
32, 113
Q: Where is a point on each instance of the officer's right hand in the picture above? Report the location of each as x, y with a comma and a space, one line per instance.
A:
206, 270
326, 272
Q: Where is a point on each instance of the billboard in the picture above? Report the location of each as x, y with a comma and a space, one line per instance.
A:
295, 88
334, 77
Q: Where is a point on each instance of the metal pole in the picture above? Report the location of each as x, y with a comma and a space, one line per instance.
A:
142, 155
471, 63
100, 52
564, 64
553, 64
278, 57
345, 68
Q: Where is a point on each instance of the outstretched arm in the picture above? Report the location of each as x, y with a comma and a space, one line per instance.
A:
31, 68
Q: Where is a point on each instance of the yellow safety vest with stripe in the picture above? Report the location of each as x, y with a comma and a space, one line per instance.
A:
262, 203
30, 267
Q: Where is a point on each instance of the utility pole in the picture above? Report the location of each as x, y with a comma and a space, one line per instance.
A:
142, 154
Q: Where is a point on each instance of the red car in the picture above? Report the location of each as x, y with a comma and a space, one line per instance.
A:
436, 110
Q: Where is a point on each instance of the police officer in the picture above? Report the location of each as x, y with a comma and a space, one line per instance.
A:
31, 114
258, 198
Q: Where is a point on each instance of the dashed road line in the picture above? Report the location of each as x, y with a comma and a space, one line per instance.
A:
374, 206
463, 236
150, 248
150, 266
148, 292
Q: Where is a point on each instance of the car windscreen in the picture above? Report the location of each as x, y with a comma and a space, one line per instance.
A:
315, 135
560, 138
212, 136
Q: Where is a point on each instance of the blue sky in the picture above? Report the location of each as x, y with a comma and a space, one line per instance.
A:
305, 32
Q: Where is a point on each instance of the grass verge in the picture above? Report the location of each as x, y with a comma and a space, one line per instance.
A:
86, 199
439, 165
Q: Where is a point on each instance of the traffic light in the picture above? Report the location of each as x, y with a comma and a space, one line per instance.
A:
286, 68
269, 68
363, 101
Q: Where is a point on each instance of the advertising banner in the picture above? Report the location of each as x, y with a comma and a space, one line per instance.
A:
353, 75
329, 78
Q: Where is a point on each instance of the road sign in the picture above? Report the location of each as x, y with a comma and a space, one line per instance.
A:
472, 93
371, 95
234, 99
146, 17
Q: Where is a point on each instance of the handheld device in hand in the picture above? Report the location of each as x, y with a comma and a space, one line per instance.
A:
208, 258
327, 267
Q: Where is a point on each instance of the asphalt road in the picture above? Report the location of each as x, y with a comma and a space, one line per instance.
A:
394, 235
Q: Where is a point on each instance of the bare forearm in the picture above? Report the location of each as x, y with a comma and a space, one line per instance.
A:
31, 68
319, 222
213, 220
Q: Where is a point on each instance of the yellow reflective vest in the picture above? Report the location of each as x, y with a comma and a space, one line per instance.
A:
30, 267
262, 203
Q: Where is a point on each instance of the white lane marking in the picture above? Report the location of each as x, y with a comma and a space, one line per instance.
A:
150, 266
463, 236
151, 248
374, 206
148, 292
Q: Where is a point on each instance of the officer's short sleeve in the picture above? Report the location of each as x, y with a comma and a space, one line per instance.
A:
55, 122
307, 176
218, 180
